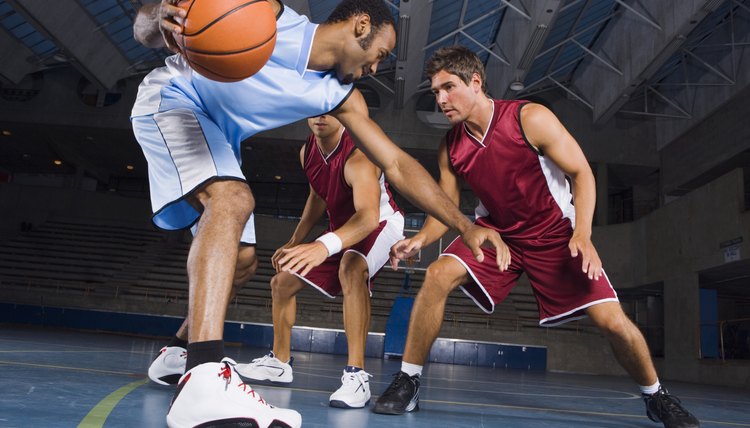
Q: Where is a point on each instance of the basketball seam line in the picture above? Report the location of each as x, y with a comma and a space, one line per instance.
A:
220, 17
199, 51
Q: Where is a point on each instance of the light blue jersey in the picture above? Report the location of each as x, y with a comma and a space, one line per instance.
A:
282, 92
190, 127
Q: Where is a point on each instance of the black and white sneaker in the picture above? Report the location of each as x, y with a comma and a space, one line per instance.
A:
665, 408
267, 368
401, 396
354, 392
214, 395
168, 366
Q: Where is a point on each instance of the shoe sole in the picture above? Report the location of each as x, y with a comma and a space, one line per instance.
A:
168, 380
230, 423
342, 405
391, 411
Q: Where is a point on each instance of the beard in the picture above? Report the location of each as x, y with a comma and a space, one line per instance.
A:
366, 41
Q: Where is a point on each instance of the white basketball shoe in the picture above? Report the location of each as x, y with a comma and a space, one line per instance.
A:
213, 394
354, 392
168, 366
267, 368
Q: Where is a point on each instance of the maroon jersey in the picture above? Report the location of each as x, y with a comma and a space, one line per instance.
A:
326, 176
522, 194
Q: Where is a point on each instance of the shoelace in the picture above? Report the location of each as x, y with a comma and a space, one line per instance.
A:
262, 359
400, 379
226, 373
666, 403
361, 377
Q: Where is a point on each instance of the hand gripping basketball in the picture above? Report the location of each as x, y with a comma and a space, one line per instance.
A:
224, 40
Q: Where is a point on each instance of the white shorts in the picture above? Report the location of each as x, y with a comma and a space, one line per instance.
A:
185, 149
374, 249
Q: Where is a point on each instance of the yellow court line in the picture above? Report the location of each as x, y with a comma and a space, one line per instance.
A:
98, 415
80, 369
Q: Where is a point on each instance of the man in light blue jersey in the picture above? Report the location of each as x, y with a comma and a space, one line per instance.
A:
190, 129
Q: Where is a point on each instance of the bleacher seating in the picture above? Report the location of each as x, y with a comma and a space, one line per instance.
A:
135, 263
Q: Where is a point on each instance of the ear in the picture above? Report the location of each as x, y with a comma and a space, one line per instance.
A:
476, 82
362, 25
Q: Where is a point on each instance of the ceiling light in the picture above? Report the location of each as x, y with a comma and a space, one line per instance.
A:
278, 177
517, 85
7, 133
130, 167
57, 162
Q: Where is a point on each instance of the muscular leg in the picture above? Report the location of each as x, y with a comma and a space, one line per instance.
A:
247, 264
442, 277
284, 288
626, 340
353, 275
213, 255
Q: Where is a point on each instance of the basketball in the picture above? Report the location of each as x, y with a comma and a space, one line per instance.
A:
227, 40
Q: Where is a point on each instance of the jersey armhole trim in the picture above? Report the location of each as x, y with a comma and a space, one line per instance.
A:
523, 134
281, 10
349, 94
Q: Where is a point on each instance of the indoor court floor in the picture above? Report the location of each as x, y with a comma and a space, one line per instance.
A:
59, 378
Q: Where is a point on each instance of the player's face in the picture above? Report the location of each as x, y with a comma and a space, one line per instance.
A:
455, 98
324, 126
363, 54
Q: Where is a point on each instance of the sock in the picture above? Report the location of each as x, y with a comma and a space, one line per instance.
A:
352, 369
411, 369
651, 389
272, 355
211, 351
176, 341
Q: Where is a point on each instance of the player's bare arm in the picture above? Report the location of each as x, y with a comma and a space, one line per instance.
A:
408, 176
314, 209
545, 132
433, 229
156, 24
363, 177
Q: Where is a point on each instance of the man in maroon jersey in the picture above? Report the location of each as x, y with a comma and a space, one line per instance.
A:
515, 156
364, 222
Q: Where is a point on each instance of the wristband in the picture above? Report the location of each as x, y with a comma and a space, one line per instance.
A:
332, 243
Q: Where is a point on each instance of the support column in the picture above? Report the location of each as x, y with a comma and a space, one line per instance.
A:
681, 325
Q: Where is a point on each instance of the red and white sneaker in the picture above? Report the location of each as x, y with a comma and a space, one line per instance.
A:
168, 366
213, 394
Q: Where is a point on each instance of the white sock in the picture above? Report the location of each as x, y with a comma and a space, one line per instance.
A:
651, 389
411, 369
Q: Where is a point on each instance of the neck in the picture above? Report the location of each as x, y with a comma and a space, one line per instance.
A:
326, 43
480, 117
329, 143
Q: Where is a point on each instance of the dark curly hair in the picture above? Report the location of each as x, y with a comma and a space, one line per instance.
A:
458, 60
380, 14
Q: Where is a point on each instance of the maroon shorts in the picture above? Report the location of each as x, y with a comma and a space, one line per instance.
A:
373, 249
562, 290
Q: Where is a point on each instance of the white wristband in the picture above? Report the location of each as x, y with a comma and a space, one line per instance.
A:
331, 242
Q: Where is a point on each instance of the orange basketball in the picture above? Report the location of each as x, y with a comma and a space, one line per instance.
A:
227, 40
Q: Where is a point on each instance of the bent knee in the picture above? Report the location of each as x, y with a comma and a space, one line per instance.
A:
232, 196
247, 265
282, 285
443, 277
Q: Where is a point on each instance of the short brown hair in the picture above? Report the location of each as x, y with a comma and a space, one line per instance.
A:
457, 60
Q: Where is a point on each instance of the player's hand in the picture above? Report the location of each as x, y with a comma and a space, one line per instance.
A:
277, 255
476, 236
170, 18
301, 258
403, 250
592, 264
